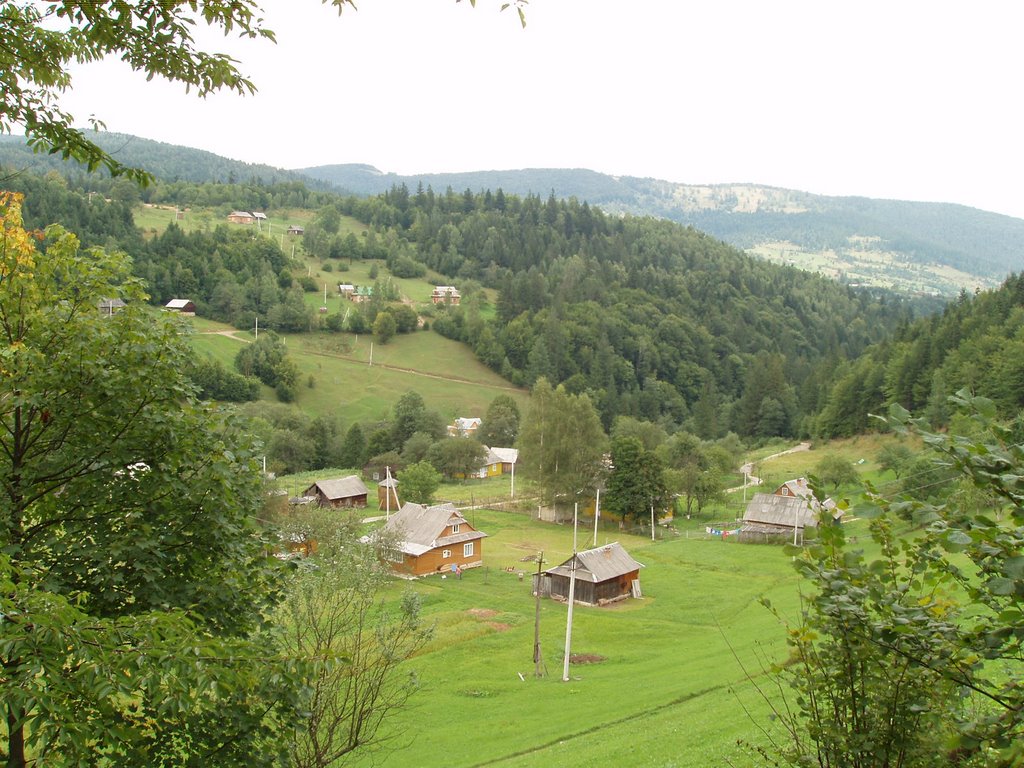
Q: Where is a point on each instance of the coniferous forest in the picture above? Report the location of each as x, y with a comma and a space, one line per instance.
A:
651, 319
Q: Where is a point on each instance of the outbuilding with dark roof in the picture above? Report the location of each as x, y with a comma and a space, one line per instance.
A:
603, 575
348, 491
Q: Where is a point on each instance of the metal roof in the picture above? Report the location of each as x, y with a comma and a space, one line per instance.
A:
418, 529
597, 565
342, 488
784, 511
503, 455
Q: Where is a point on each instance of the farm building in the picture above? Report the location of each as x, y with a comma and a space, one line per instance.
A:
110, 307
246, 217
784, 513
183, 306
425, 540
499, 461
445, 294
295, 230
388, 487
603, 575
348, 491
464, 427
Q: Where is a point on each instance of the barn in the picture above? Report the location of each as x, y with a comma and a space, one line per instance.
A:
348, 491
603, 575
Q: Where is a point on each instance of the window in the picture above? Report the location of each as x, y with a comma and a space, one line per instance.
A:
467, 549
446, 553
455, 527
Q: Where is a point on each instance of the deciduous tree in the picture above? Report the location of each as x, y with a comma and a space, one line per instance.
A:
132, 574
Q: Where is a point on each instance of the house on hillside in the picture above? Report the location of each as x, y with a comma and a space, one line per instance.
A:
785, 513
464, 427
361, 294
247, 217
445, 294
295, 230
425, 540
603, 575
110, 307
499, 461
181, 306
344, 492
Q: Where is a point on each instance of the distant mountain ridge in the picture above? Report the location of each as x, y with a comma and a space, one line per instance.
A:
925, 248
922, 247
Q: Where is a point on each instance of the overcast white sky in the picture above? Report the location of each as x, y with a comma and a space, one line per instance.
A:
905, 99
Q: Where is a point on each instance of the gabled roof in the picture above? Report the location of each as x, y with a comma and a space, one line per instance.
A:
502, 455
467, 422
177, 303
598, 565
417, 529
342, 488
783, 511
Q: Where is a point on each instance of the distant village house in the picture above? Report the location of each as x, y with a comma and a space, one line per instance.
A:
110, 307
182, 306
785, 513
445, 294
295, 230
246, 217
344, 492
464, 427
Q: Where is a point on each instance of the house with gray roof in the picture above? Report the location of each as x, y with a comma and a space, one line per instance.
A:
344, 492
421, 540
603, 575
786, 513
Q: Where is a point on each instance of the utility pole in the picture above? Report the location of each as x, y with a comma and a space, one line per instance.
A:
572, 599
538, 661
597, 513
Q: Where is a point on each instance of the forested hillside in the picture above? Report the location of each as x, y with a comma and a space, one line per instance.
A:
976, 242
651, 319
976, 343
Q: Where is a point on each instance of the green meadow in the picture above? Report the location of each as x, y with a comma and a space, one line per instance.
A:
350, 386
672, 676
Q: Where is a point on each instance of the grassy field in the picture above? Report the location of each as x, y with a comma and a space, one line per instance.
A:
671, 688
347, 386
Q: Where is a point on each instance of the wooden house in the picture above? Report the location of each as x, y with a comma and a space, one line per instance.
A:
464, 427
182, 306
603, 575
445, 294
424, 540
348, 491
499, 461
110, 307
785, 513
295, 230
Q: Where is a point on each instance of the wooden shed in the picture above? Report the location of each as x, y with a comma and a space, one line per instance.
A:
424, 540
388, 487
603, 575
348, 491
184, 306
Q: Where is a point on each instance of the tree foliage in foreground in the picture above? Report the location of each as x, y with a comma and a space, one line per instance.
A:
132, 575
337, 616
915, 657
42, 40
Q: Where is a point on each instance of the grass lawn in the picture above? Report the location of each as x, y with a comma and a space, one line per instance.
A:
668, 692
